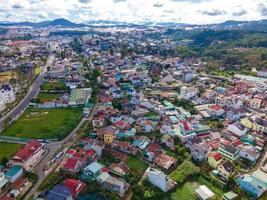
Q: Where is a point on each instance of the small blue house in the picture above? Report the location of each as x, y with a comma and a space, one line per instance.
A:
14, 173
254, 184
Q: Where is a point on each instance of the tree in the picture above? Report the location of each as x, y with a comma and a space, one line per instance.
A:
184, 52
117, 105
4, 160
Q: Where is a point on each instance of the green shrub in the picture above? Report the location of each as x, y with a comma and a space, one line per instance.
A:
185, 170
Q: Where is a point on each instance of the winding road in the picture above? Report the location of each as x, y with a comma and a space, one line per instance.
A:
33, 91
52, 148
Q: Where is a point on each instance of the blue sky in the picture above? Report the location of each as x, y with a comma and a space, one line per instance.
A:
184, 11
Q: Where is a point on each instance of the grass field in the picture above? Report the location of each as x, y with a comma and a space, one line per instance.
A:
186, 191
8, 149
45, 123
44, 97
53, 86
135, 163
136, 168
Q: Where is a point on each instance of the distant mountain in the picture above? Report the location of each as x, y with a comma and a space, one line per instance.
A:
111, 23
260, 25
238, 25
57, 22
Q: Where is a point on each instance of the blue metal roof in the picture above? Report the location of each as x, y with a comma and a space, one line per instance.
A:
58, 192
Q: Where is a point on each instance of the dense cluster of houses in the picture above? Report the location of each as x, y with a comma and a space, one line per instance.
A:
130, 112
144, 110
13, 181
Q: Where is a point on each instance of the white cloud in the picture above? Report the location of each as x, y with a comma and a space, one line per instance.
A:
184, 11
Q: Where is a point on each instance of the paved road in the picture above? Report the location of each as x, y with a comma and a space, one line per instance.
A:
34, 90
217, 77
52, 150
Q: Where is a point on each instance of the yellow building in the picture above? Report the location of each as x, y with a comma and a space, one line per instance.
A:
247, 122
214, 159
108, 138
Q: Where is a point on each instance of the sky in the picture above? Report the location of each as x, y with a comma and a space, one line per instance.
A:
179, 11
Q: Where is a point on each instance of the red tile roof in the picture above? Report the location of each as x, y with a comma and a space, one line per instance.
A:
28, 150
75, 186
154, 148
216, 107
71, 152
90, 153
217, 156
215, 145
237, 143
71, 163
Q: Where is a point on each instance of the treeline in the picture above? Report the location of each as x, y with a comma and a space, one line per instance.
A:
228, 48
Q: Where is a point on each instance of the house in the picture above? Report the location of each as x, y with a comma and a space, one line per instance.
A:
108, 134
123, 146
225, 169
233, 114
109, 138
139, 112
98, 121
160, 180
75, 186
254, 184
215, 111
260, 125
7, 95
230, 196
3, 181
151, 151
228, 151
247, 122
165, 161
29, 156
255, 103
167, 140
113, 184
250, 153
59, 192
141, 142
19, 187
80, 96
118, 169
199, 151
70, 153
238, 129
72, 165
188, 92
241, 87
233, 101
93, 170
14, 173
214, 159
126, 133
204, 193
117, 94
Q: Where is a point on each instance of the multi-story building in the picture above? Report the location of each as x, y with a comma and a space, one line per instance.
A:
29, 156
